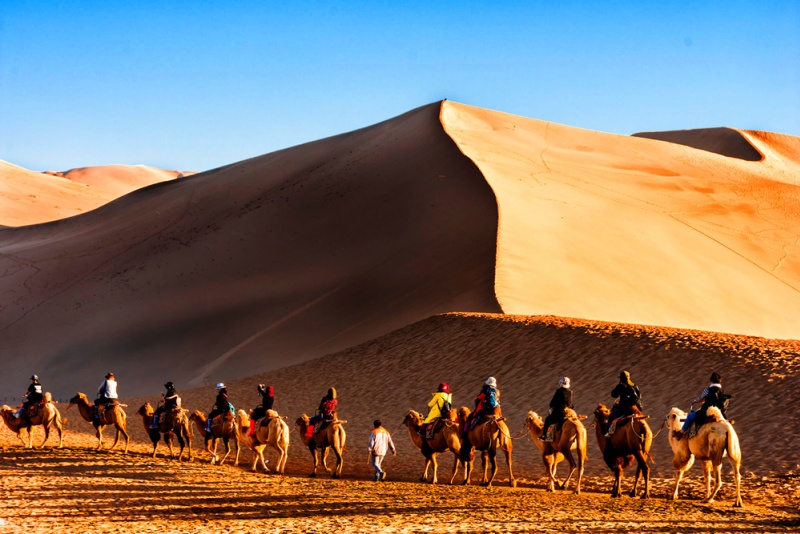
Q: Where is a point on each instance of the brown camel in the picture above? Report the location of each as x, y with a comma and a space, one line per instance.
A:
175, 424
332, 436
47, 416
272, 430
487, 435
114, 414
445, 438
631, 441
225, 432
571, 435
712, 442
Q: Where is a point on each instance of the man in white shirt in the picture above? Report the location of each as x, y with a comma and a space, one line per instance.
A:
380, 442
106, 393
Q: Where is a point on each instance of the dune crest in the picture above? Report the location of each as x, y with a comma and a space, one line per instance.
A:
29, 197
632, 230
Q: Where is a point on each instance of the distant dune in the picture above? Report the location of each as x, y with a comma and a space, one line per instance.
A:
28, 197
293, 255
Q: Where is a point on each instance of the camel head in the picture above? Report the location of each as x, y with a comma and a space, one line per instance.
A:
6, 408
197, 415
675, 418
413, 419
602, 413
463, 413
534, 421
145, 409
79, 397
303, 420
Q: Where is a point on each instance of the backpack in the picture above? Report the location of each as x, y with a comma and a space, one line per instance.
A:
445, 408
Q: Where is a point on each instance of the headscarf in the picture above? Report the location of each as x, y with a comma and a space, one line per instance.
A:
625, 378
332, 393
564, 382
491, 382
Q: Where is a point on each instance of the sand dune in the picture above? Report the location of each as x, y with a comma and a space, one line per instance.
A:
633, 230
254, 266
289, 256
28, 197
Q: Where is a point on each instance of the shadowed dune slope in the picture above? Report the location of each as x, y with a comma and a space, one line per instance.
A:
28, 197
253, 266
387, 376
724, 141
640, 231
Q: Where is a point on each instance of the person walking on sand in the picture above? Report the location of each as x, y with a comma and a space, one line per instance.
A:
379, 443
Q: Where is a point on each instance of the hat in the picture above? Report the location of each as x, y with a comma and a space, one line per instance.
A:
444, 387
221, 385
715, 378
491, 382
563, 382
169, 385
110, 375
34, 377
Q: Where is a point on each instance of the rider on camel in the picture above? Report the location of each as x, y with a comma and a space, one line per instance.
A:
106, 394
221, 405
629, 397
439, 406
562, 399
171, 401
488, 400
711, 396
259, 412
326, 410
32, 396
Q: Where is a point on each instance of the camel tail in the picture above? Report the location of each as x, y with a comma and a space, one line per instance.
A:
734, 452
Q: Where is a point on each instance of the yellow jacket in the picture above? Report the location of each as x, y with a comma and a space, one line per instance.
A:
435, 405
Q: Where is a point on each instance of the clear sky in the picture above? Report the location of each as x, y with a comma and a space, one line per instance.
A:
198, 84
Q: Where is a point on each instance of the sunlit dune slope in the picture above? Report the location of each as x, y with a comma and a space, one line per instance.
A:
28, 197
636, 230
254, 266
387, 376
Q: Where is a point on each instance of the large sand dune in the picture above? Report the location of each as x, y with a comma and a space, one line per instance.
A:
253, 266
28, 197
633, 230
310, 250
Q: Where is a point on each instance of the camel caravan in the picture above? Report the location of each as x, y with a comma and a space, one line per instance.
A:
622, 432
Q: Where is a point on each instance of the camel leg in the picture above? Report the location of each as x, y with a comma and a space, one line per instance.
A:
211, 448
468, 466
644, 469
511, 480
737, 479
435, 468
238, 448
492, 455
616, 490
227, 450
572, 467
339, 462
315, 459
324, 453
549, 465
46, 434
485, 464
717, 482
424, 477
99, 435
455, 469
127, 439
116, 440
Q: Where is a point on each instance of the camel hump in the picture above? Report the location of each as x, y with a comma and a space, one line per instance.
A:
48, 397
272, 414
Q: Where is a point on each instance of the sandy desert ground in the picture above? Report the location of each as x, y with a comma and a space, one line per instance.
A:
109, 492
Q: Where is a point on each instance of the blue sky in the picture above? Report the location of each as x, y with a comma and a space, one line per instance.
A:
196, 85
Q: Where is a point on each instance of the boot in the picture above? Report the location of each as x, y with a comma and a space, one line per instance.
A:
208, 426
547, 435
252, 428
154, 424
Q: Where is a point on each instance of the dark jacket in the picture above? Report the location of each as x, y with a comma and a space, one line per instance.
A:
170, 399
628, 395
716, 397
267, 397
35, 393
562, 399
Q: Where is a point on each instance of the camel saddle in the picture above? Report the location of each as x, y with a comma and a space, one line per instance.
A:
430, 429
170, 418
221, 419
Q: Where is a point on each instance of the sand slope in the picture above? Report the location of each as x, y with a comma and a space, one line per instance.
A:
254, 266
28, 197
640, 231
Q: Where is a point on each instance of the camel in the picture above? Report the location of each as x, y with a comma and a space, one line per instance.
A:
113, 415
175, 424
631, 441
332, 436
445, 438
47, 416
712, 442
272, 431
571, 435
226, 432
488, 435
